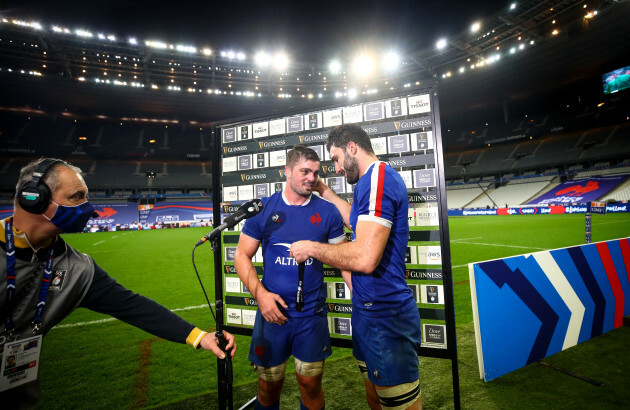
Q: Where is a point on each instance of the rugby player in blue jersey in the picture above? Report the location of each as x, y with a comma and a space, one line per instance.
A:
385, 318
281, 328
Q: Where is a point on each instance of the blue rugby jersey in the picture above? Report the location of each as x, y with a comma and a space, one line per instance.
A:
277, 226
380, 196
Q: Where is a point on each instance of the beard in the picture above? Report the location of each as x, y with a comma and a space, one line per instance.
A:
302, 190
351, 167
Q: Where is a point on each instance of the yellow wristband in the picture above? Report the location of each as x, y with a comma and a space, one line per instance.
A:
194, 338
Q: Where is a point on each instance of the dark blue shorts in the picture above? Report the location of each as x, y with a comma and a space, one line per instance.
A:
306, 338
388, 345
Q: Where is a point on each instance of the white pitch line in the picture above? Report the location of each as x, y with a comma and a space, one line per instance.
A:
466, 239
115, 236
506, 246
111, 319
99, 242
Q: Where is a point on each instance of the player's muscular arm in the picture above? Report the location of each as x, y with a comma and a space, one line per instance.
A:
266, 300
362, 255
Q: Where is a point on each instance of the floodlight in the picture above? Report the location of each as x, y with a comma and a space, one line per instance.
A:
133, 41
101, 36
363, 65
352, 93
155, 44
281, 61
262, 59
512, 6
207, 52
185, 49
475, 27
441, 44
83, 33
391, 61
334, 66
240, 56
111, 38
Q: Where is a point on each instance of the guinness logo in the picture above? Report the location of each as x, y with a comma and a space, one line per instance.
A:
331, 307
407, 274
397, 125
229, 269
225, 150
325, 168
301, 139
243, 177
281, 172
261, 144
225, 208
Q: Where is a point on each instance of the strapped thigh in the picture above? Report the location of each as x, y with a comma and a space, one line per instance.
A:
400, 396
271, 374
309, 369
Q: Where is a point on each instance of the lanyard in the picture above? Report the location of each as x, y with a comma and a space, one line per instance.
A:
43, 292
299, 297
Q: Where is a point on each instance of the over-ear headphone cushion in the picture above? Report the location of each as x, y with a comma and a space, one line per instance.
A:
34, 198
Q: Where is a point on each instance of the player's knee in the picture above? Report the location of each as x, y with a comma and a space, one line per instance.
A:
309, 369
363, 369
399, 397
272, 374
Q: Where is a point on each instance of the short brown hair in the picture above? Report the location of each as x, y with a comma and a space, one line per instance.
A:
299, 152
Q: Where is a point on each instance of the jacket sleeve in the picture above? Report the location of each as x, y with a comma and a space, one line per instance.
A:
107, 296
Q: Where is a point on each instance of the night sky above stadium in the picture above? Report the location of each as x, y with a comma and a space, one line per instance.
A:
308, 30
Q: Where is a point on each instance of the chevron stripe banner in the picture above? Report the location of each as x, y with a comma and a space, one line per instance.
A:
531, 306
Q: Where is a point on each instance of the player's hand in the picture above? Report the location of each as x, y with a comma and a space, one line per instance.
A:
268, 307
300, 251
320, 187
210, 342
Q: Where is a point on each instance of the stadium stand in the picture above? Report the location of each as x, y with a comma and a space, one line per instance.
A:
513, 194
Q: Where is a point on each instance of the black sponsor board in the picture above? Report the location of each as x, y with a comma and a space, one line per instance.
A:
424, 274
410, 141
424, 236
231, 269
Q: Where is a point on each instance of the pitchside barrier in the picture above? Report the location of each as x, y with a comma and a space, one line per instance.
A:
248, 162
618, 207
531, 306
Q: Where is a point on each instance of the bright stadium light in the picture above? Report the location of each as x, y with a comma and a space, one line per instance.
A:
512, 6
133, 41
441, 44
363, 65
475, 27
334, 66
83, 33
185, 49
262, 59
101, 36
156, 44
111, 37
280, 61
391, 61
240, 56
206, 52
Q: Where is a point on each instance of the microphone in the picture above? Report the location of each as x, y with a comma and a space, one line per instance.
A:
247, 210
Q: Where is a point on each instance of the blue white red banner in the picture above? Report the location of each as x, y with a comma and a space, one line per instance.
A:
531, 306
580, 190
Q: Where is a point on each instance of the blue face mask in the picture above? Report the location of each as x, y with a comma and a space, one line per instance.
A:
72, 219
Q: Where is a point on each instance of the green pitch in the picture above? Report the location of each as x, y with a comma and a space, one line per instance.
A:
91, 360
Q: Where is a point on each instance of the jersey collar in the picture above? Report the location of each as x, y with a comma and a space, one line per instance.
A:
286, 201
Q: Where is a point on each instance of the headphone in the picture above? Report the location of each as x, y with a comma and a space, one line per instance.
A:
35, 195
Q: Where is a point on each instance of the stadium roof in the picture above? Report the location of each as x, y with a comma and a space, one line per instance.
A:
547, 66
